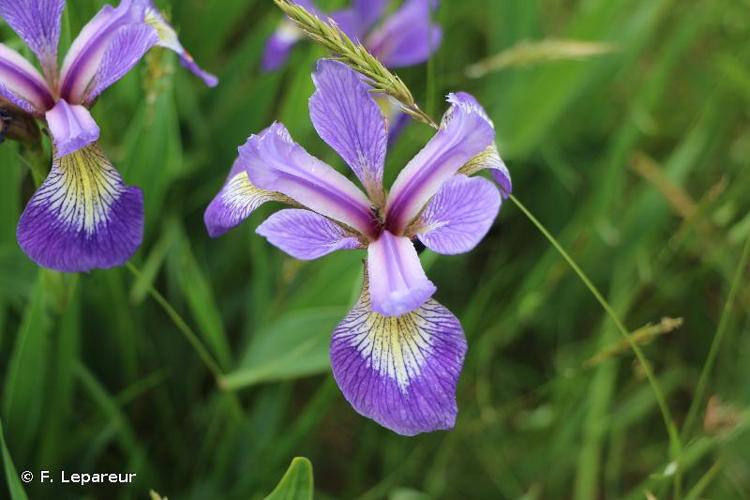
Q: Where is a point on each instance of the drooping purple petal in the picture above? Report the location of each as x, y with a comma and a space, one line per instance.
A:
21, 83
236, 201
408, 37
347, 117
398, 284
490, 159
459, 216
465, 132
400, 371
37, 22
83, 217
72, 127
306, 235
84, 59
274, 162
168, 39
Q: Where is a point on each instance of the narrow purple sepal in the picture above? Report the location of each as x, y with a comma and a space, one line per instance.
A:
408, 37
37, 22
402, 371
398, 284
72, 127
459, 216
83, 217
306, 235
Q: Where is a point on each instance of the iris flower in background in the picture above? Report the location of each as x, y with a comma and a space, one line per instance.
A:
398, 354
83, 216
405, 38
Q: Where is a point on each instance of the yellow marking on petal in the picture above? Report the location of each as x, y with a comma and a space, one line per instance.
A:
82, 188
396, 347
240, 193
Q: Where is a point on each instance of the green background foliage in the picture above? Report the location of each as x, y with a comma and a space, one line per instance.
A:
636, 159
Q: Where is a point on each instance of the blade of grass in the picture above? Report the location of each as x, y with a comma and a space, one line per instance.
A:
11, 474
729, 305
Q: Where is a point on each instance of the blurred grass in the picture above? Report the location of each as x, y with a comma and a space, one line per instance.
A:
95, 375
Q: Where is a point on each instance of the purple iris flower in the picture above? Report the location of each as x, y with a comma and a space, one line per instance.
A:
398, 354
405, 38
83, 216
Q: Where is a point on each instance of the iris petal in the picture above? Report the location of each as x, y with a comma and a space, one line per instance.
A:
83, 217
408, 37
72, 127
347, 117
236, 201
306, 235
398, 284
279, 45
37, 22
490, 159
459, 216
84, 59
21, 83
274, 162
400, 371
465, 132
168, 39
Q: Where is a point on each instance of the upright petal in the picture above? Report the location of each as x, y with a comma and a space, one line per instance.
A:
306, 235
84, 60
124, 51
37, 22
408, 37
83, 217
400, 371
459, 216
236, 201
168, 39
21, 83
398, 284
465, 132
274, 162
347, 117
490, 159
72, 127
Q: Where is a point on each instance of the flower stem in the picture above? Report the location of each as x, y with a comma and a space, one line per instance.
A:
182, 326
674, 437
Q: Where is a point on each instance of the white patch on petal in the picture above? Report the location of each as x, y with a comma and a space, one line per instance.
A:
81, 190
241, 198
